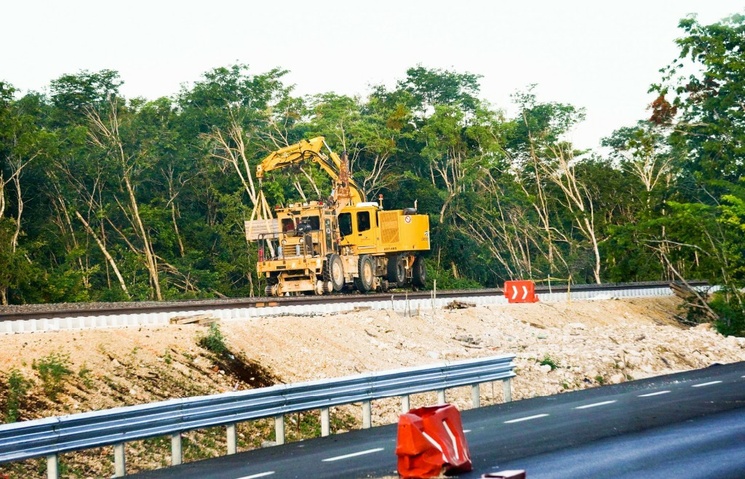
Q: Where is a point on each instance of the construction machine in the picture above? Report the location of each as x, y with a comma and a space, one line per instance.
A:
338, 243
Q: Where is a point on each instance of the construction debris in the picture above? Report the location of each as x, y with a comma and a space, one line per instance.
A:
459, 305
201, 319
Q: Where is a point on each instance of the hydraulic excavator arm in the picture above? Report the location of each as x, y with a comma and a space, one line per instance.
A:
346, 191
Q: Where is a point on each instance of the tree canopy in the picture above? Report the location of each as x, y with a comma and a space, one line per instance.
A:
108, 198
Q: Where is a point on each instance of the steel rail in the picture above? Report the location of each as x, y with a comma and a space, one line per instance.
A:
83, 310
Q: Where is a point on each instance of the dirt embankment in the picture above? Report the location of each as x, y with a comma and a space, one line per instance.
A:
558, 347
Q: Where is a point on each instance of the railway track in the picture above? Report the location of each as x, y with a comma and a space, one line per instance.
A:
52, 317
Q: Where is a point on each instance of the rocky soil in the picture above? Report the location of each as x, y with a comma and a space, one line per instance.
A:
558, 346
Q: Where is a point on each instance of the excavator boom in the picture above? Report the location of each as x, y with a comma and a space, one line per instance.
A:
346, 191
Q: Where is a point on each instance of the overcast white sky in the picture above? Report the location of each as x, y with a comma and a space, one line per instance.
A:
600, 55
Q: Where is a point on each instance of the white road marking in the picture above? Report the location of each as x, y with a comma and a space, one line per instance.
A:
525, 418
261, 474
466, 431
653, 394
595, 404
354, 454
705, 384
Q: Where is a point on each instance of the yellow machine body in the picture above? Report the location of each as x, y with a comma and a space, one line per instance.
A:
337, 245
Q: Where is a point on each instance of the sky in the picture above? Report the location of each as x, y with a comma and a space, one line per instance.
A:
598, 55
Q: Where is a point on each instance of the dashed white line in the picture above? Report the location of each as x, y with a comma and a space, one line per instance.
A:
586, 406
354, 454
653, 394
528, 418
705, 384
261, 474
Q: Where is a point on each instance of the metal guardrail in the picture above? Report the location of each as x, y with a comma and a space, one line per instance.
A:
50, 437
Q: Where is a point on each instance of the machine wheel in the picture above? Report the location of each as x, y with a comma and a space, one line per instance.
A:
396, 271
366, 274
419, 273
333, 271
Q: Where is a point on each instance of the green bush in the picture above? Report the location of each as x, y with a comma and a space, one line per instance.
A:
732, 316
17, 389
52, 371
547, 361
214, 341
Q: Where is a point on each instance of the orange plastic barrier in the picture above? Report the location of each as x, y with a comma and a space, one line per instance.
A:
520, 292
431, 443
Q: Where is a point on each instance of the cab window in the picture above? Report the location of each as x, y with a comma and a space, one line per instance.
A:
363, 221
345, 224
288, 225
315, 223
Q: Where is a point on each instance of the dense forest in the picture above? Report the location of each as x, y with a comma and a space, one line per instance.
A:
104, 198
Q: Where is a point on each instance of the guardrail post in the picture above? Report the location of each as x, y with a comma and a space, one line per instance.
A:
232, 439
441, 396
52, 467
366, 415
507, 388
363, 389
279, 429
120, 468
475, 395
325, 422
176, 452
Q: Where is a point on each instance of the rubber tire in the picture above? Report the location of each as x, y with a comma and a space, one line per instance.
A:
333, 271
365, 275
419, 273
396, 271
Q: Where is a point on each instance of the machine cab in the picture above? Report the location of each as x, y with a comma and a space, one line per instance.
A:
358, 227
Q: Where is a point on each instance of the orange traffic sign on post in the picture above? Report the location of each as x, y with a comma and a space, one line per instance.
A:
520, 291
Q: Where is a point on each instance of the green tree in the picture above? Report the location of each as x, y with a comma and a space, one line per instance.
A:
700, 98
544, 167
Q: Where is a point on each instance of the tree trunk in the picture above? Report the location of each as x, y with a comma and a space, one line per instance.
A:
105, 252
106, 135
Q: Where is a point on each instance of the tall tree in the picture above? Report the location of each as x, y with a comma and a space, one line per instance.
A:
539, 156
701, 97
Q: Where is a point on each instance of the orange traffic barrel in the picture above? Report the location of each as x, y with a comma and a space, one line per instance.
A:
431, 442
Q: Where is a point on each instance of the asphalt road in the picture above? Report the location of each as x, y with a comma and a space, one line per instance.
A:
688, 425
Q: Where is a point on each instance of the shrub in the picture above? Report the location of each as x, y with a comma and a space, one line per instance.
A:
727, 304
214, 341
547, 361
52, 370
17, 389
